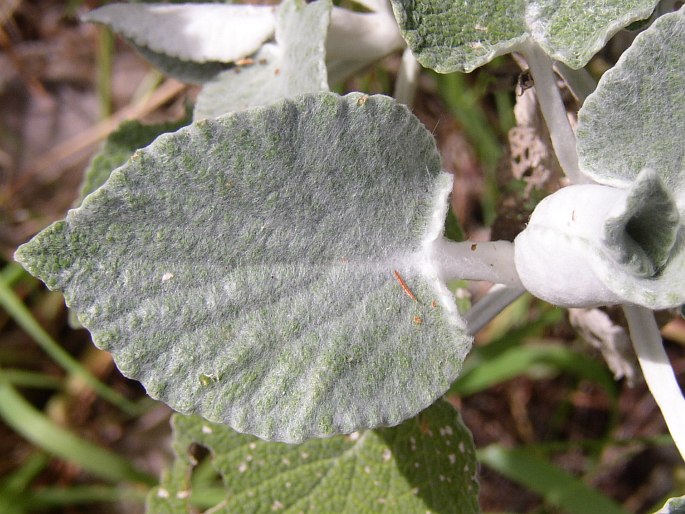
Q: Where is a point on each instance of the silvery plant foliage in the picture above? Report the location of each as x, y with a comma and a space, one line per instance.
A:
278, 267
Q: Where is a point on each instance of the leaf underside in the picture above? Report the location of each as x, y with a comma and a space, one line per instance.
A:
294, 65
452, 36
242, 268
201, 33
426, 464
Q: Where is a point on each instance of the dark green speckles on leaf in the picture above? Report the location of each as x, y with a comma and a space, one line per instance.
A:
448, 35
427, 464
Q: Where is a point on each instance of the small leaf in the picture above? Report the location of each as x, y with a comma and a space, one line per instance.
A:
426, 464
452, 36
293, 66
453, 229
246, 268
636, 117
200, 33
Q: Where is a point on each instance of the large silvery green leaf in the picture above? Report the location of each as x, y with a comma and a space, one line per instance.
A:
448, 35
636, 117
294, 64
427, 464
247, 268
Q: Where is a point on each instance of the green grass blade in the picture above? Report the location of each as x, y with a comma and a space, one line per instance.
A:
31, 424
11, 274
21, 378
552, 483
22, 477
521, 360
463, 103
13, 305
51, 497
514, 336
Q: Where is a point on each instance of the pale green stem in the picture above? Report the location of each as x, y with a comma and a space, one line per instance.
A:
553, 110
657, 370
579, 82
492, 261
407, 79
495, 301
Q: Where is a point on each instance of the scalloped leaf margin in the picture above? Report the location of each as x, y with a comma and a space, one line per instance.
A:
249, 268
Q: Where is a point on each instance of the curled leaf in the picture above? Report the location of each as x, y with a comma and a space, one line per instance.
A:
592, 245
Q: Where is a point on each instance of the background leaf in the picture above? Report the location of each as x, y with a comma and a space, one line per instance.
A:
242, 268
636, 117
460, 36
425, 464
118, 148
294, 65
199, 33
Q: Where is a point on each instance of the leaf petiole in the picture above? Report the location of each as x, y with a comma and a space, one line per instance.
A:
495, 301
492, 261
657, 370
553, 110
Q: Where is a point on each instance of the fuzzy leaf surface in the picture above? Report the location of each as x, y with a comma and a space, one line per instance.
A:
294, 65
242, 268
452, 36
199, 33
636, 117
425, 464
